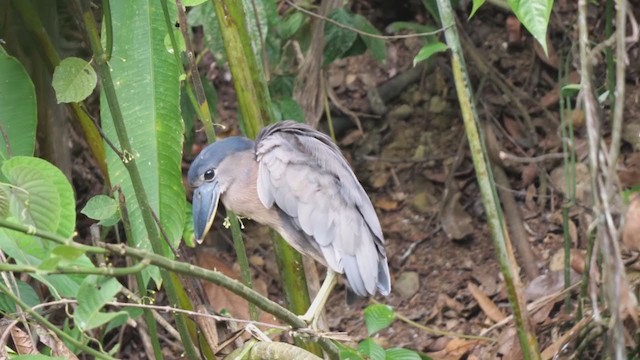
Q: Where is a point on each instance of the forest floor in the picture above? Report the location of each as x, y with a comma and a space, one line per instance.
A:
415, 165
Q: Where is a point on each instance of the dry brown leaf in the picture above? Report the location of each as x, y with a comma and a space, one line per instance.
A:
547, 284
631, 229
386, 204
577, 260
629, 170
551, 60
512, 127
488, 307
24, 344
508, 345
456, 222
529, 197
553, 349
455, 349
529, 174
222, 298
58, 347
541, 314
514, 31
207, 327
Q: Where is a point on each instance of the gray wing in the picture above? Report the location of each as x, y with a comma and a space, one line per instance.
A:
305, 175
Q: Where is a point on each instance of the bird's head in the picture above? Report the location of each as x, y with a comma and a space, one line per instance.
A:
208, 183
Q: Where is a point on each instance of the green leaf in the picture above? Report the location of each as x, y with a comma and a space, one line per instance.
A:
376, 45
182, 47
290, 25
570, 90
289, 109
534, 15
4, 203
476, 6
401, 354
147, 84
188, 236
94, 293
338, 39
41, 195
100, 207
349, 354
192, 2
73, 80
26, 294
371, 349
378, 317
18, 108
66, 252
428, 50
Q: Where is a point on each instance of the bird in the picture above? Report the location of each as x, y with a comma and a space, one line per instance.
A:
295, 180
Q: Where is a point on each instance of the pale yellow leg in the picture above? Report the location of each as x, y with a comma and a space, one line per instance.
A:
314, 311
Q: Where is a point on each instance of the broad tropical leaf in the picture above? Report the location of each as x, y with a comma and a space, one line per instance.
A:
147, 85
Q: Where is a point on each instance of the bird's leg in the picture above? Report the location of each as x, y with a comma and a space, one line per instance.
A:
314, 311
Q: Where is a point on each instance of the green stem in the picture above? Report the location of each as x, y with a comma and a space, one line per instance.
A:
108, 27
44, 322
106, 271
238, 244
488, 192
174, 289
31, 230
152, 326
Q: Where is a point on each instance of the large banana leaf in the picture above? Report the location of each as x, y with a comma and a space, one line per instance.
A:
146, 75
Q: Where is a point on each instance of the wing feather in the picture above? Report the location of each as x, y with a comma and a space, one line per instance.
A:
305, 175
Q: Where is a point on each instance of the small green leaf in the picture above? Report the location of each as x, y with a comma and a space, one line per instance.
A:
338, 39
534, 15
401, 354
187, 234
289, 110
192, 2
179, 42
371, 349
73, 80
378, 317
376, 45
476, 6
93, 294
428, 50
349, 354
27, 294
290, 25
66, 252
100, 207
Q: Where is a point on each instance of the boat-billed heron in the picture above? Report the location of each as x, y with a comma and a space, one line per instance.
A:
295, 180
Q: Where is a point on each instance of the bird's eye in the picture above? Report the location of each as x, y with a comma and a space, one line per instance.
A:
209, 174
